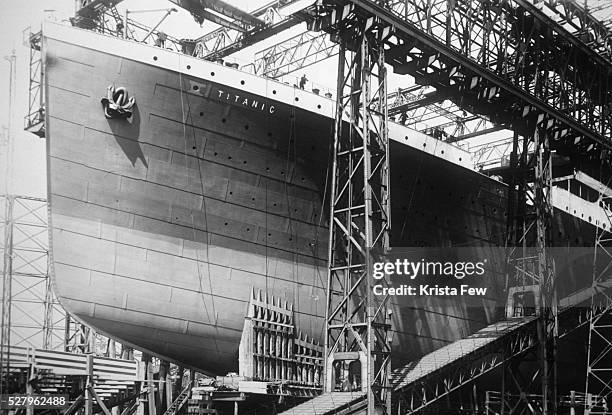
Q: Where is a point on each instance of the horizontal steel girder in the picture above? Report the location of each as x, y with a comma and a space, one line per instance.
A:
497, 60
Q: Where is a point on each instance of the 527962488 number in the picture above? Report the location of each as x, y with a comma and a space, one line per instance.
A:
17, 401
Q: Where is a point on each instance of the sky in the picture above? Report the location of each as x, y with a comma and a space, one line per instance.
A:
29, 155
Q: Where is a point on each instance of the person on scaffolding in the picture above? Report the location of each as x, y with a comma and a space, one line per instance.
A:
161, 39
348, 376
354, 375
119, 28
303, 81
341, 378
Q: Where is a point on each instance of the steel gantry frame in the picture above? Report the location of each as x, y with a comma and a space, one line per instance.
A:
526, 93
531, 270
407, 105
276, 16
500, 61
577, 20
31, 315
5, 333
37, 319
293, 54
34, 121
238, 29
598, 387
358, 323
545, 276
433, 114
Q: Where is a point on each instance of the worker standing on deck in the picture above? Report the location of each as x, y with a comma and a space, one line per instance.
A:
119, 28
303, 81
161, 39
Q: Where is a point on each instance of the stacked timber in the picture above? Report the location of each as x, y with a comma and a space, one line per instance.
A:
228, 382
273, 351
201, 404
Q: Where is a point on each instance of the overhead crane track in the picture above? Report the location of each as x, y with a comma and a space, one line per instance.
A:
528, 75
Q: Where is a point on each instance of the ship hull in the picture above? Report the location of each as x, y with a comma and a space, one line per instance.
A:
163, 224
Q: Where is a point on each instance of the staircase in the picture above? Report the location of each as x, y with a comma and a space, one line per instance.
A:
180, 400
340, 403
428, 379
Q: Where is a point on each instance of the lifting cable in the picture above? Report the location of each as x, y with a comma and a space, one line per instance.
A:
206, 234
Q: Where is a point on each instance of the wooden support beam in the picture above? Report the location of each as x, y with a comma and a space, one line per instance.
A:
29, 388
131, 397
178, 386
130, 409
165, 388
142, 374
98, 400
111, 349
76, 405
88, 382
169, 390
150, 383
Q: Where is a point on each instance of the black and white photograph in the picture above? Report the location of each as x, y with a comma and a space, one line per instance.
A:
306, 207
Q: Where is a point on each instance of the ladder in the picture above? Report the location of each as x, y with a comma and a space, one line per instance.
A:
180, 400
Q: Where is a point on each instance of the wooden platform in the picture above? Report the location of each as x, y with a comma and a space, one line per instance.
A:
64, 363
56, 370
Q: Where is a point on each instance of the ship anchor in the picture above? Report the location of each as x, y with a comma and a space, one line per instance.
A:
117, 103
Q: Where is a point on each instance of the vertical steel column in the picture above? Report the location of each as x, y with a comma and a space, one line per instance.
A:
598, 389
32, 302
34, 120
7, 263
516, 229
7, 293
67, 333
48, 323
79, 338
547, 323
89, 384
529, 233
29, 386
357, 321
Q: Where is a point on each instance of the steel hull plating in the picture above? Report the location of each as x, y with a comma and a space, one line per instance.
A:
163, 224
